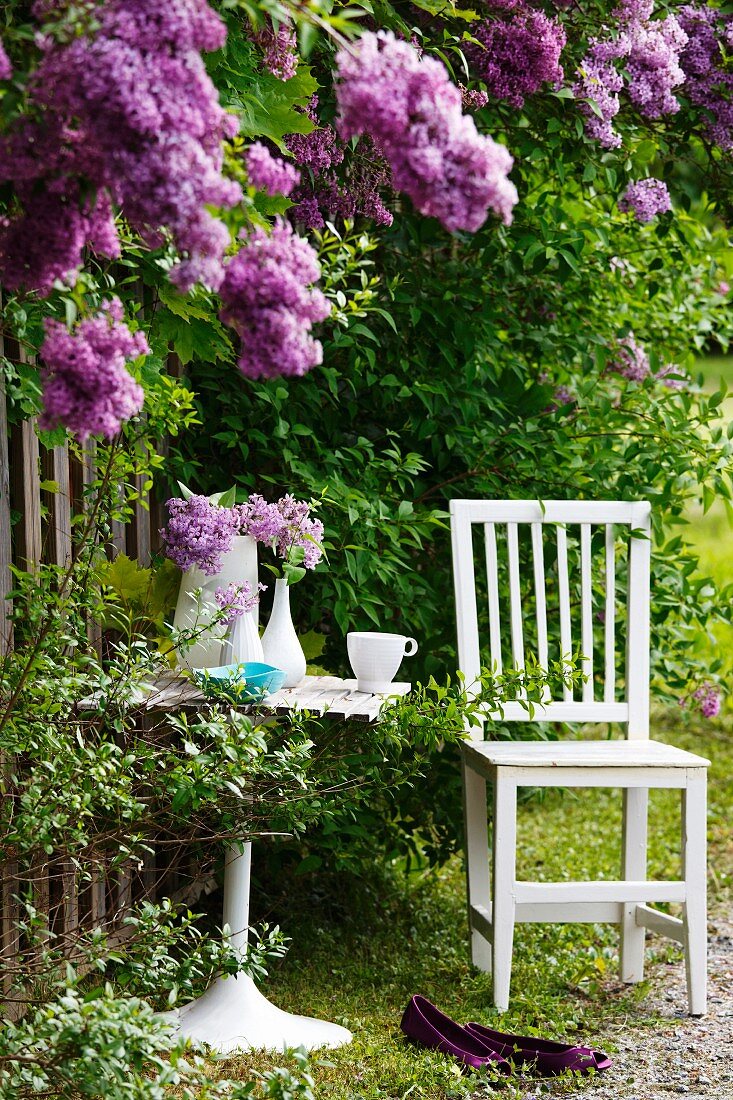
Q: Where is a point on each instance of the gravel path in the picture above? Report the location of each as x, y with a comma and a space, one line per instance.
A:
680, 1056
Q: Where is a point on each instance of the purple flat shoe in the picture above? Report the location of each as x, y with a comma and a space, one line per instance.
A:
547, 1057
427, 1025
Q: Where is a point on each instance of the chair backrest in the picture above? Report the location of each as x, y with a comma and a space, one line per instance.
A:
586, 535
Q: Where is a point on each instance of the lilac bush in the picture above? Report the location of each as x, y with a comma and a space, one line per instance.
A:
408, 106
237, 599
519, 52
86, 385
268, 298
129, 109
645, 199
198, 533
706, 64
631, 361
268, 173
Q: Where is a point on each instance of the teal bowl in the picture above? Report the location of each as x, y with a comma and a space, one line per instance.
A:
242, 682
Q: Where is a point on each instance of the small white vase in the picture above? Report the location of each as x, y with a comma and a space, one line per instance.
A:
280, 643
244, 642
238, 564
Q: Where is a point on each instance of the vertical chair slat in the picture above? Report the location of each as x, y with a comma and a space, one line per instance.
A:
609, 688
566, 636
515, 596
538, 560
586, 598
492, 576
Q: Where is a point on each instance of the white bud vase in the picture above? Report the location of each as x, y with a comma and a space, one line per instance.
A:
244, 642
237, 565
280, 643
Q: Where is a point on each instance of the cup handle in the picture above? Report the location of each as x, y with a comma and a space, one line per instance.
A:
410, 652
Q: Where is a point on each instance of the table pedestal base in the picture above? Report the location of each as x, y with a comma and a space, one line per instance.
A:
233, 1015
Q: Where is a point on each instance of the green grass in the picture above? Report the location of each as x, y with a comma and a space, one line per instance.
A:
361, 948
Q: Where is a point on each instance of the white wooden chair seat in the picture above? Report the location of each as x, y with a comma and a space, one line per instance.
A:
484, 755
570, 533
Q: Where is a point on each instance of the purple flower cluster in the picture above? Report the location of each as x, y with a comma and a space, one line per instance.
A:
324, 194
632, 361
519, 52
86, 385
706, 63
409, 107
268, 299
283, 526
199, 533
237, 599
645, 199
280, 49
6, 69
268, 173
651, 50
128, 112
707, 698
473, 99
672, 376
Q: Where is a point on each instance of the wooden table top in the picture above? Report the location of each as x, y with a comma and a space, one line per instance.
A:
321, 695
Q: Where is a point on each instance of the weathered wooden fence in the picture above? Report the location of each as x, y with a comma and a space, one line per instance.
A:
36, 527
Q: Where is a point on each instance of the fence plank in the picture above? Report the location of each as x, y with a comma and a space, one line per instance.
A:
6, 534
56, 468
26, 493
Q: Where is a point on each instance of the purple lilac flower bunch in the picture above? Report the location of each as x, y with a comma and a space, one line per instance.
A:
6, 69
645, 199
631, 361
672, 376
86, 385
705, 61
651, 50
199, 533
269, 299
237, 599
268, 173
287, 528
323, 194
519, 52
411, 110
128, 113
705, 698
279, 48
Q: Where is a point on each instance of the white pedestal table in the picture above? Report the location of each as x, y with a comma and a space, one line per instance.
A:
232, 1014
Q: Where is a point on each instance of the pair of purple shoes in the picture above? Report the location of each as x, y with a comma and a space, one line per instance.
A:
479, 1046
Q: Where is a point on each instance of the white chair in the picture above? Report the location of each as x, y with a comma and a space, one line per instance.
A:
563, 532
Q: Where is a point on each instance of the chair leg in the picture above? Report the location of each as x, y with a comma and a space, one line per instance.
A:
504, 868
478, 885
694, 870
636, 815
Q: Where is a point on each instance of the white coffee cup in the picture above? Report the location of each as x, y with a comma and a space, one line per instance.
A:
376, 657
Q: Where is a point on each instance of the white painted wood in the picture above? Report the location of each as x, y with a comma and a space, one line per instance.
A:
560, 912
633, 866
551, 511
660, 923
481, 922
504, 862
563, 712
609, 626
538, 561
653, 778
694, 847
492, 578
477, 862
592, 754
586, 604
608, 890
515, 596
469, 656
566, 634
637, 629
